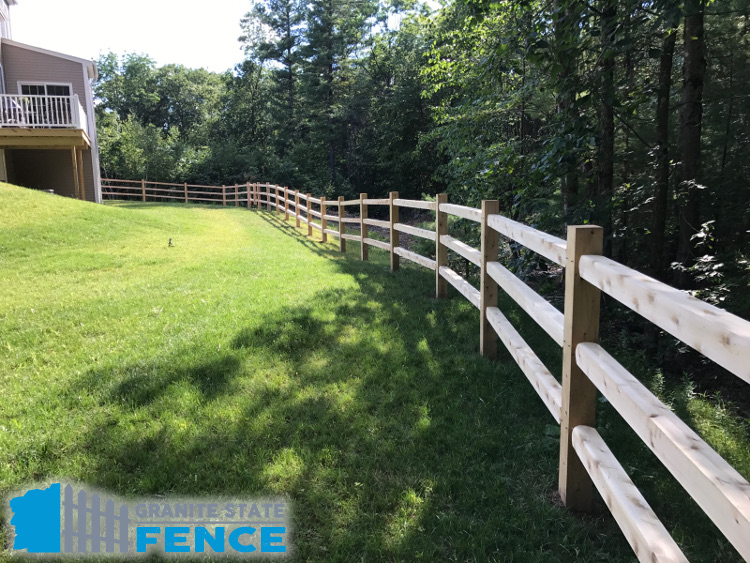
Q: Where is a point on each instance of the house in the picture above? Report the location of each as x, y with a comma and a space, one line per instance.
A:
47, 121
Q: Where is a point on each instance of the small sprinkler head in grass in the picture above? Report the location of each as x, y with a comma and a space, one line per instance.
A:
170, 242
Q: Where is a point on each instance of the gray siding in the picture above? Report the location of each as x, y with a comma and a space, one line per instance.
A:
26, 65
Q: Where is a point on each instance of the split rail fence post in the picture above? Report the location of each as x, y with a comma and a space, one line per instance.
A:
488, 286
247, 192
323, 222
236, 196
268, 196
309, 205
582, 301
186, 193
342, 226
278, 197
393, 219
296, 206
286, 204
224, 195
143, 190
364, 251
441, 252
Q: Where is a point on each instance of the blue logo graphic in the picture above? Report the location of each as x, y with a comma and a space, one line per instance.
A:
57, 520
37, 520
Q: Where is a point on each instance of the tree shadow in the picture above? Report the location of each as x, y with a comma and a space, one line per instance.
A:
369, 408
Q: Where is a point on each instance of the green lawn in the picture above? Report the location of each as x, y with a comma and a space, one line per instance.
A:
249, 360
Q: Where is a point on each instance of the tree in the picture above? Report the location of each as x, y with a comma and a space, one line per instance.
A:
661, 180
335, 28
691, 114
272, 32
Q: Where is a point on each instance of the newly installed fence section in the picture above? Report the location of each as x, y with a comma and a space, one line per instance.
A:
585, 460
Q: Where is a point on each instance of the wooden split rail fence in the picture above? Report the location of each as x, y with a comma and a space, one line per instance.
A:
585, 459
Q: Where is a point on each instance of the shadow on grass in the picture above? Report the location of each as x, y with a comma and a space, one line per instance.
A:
211, 378
370, 409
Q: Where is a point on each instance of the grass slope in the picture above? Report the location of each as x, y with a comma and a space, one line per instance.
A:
249, 360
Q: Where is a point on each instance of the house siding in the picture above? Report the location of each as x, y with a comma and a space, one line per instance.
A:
26, 65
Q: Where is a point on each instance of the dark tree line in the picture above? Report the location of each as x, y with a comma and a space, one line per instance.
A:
634, 115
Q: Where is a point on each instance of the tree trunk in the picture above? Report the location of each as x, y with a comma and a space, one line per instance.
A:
691, 115
329, 103
661, 189
606, 147
565, 35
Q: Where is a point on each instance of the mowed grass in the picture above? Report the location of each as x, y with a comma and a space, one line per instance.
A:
248, 360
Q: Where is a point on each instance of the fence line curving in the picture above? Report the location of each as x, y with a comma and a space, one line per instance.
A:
585, 460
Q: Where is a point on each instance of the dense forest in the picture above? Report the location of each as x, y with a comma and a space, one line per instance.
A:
634, 115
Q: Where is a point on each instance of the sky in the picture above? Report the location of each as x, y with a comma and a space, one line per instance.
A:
188, 32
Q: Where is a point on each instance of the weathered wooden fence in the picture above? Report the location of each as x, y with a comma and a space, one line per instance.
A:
585, 459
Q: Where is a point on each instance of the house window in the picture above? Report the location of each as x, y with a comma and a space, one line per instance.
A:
45, 90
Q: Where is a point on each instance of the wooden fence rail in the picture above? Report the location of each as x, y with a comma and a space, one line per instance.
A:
585, 459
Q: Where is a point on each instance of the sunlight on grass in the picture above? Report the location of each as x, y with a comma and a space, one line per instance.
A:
250, 360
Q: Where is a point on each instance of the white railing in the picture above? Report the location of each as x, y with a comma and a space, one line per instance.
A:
43, 112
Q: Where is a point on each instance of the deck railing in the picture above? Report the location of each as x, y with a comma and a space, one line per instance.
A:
42, 112
585, 459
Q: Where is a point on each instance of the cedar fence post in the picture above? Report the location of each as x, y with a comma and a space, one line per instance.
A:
186, 193
488, 286
278, 197
309, 205
286, 204
441, 252
296, 206
342, 226
224, 195
323, 222
236, 196
143, 190
364, 250
582, 302
247, 193
394, 233
268, 196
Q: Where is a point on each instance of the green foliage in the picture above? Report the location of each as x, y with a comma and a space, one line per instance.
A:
130, 149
